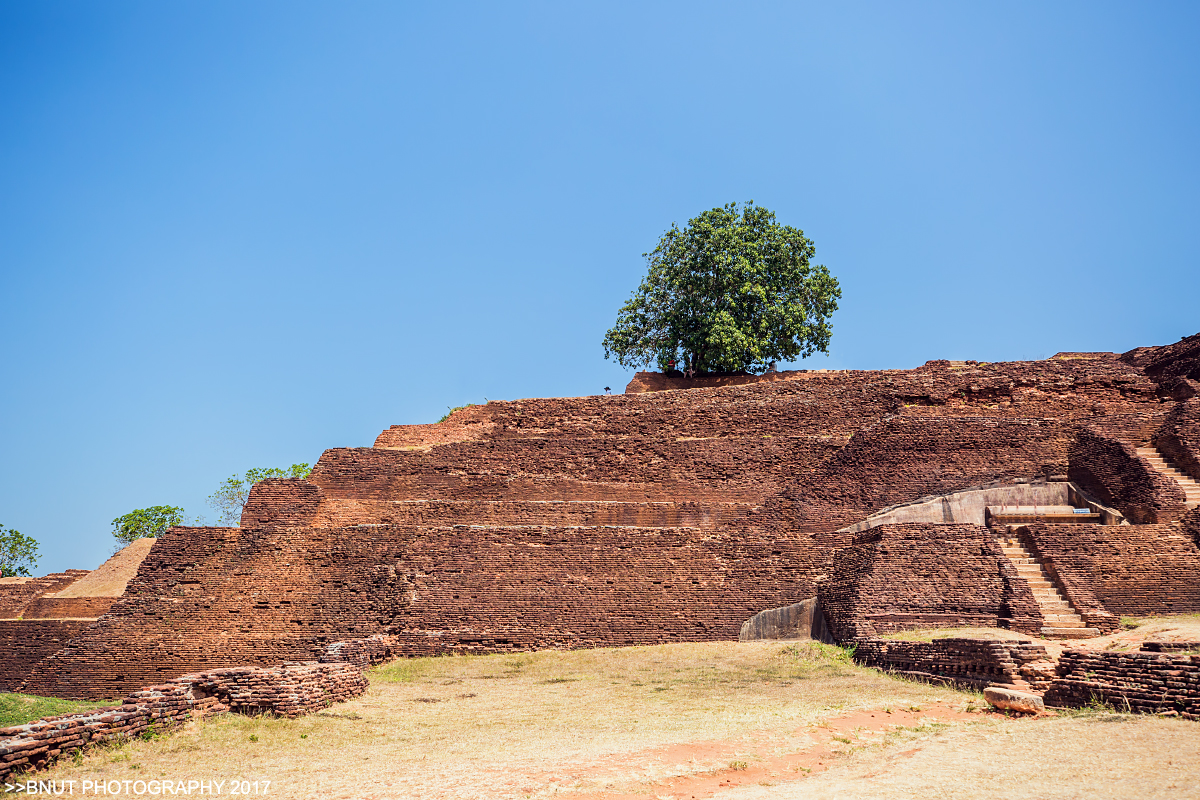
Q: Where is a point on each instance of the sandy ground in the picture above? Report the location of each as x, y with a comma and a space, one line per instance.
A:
718, 720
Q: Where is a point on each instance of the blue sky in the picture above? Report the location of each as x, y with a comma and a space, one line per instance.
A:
236, 234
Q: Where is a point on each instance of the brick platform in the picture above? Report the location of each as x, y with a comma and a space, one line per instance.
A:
655, 516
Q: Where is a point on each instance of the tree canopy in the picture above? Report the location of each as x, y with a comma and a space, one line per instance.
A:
733, 291
143, 522
18, 553
230, 498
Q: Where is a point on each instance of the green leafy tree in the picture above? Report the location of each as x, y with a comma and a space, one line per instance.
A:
733, 291
143, 522
18, 553
230, 498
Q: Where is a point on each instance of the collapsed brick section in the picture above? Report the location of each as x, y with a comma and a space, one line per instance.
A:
920, 575
969, 663
362, 653
24, 643
1175, 367
1136, 570
1147, 683
289, 690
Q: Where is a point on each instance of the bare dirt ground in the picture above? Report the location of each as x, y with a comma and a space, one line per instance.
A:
718, 720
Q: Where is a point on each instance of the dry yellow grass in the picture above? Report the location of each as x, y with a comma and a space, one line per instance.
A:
520, 725
627, 721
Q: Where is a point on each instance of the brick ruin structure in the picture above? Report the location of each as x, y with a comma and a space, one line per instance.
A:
678, 511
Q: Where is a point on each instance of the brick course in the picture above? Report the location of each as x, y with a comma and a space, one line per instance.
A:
1147, 683
24, 643
968, 663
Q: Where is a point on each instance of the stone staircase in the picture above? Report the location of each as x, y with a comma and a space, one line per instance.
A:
1059, 619
1157, 460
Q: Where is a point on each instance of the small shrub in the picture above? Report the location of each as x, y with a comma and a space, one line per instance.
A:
738, 765
446, 416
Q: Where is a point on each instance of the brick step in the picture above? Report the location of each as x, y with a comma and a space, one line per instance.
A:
1063, 621
1070, 633
1159, 462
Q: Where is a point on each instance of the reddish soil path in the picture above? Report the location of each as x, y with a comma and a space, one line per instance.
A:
809, 751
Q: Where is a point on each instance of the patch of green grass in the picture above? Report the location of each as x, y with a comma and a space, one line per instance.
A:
17, 709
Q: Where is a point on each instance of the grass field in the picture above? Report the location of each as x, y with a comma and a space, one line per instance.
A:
690, 720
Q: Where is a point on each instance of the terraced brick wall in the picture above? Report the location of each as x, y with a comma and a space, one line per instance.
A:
1136, 570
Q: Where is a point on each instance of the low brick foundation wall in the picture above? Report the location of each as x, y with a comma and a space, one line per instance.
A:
1142, 682
289, 690
971, 663
35, 745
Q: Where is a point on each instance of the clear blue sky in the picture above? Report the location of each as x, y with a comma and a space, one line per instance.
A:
235, 234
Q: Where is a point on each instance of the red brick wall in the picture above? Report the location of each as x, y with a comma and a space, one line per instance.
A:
919, 575
971, 663
68, 607
206, 598
1147, 683
14, 597
1134, 570
24, 643
764, 475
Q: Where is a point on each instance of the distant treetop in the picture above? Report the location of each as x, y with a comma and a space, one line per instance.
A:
230, 498
18, 553
143, 522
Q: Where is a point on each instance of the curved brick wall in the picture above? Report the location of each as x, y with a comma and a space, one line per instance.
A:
1107, 466
1179, 437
